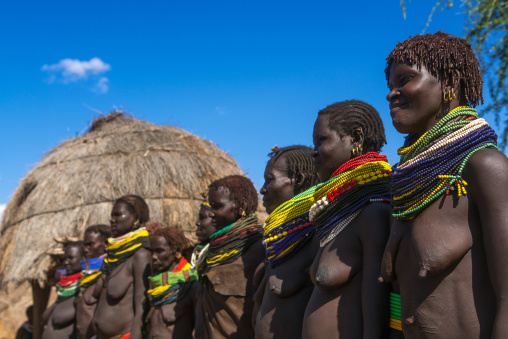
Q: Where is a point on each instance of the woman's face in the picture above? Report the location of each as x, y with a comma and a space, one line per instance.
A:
330, 150
95, 245
278, 188
223, 210
204, 225
163, 257
72, 260
122, 220
415, 99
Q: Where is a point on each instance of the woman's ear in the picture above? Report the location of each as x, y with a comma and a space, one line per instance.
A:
357, 136
299, 180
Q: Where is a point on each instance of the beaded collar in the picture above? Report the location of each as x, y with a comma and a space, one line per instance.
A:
168, 287
198, 254
68, 286
339, 200
91, 271
122, 248
229, 243
432, 165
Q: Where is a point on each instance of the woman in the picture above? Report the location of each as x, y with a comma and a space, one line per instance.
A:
351, 223
174, 287
450, 231
125, 272
287, 287
203, 232
95, 244
61, 316
234, 253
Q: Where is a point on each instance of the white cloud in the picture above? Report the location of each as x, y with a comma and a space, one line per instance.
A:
102, 85
73, 70
2, 208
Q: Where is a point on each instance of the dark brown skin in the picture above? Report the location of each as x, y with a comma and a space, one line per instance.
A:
347, 301
285, 289
61, 315
95, 246
449, 260
123, 291
226, 305
174, 320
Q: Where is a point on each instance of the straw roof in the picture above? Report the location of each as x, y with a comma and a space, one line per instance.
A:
75, 184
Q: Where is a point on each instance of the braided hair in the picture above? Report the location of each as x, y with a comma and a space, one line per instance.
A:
137, 206
346, 116
442, 54
299, 161
175, 238
241, 191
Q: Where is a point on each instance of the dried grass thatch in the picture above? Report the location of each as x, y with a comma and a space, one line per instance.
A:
74, 186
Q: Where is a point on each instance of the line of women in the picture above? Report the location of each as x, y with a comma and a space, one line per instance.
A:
352, 248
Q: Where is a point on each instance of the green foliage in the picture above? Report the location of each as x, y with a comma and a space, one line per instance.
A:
486, 29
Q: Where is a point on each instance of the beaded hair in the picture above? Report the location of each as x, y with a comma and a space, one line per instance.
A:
241, 191
136, 206
103, 230
299, 160
346, 116
175, 238
78, 245
442, 54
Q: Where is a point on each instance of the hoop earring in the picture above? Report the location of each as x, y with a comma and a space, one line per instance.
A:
136, 224
244, 214
178, 255
445, 99
452, 95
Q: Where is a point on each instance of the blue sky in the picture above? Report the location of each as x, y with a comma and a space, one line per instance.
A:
244, 74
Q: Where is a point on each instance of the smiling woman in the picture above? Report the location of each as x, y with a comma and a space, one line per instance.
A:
450, 223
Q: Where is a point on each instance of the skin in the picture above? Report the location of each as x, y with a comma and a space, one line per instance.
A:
123, 291
285, 290
449, 260
204, 227
94, 246
347, 301
224, 212
60, 317
174, 320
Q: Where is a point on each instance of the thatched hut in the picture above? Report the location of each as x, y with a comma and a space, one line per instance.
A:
75, 184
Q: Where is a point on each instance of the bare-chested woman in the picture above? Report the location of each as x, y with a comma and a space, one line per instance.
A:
286, 288
122, 301
448, 240
234, 253
351, 220
95, 243
61, 316
204, 229
174, 287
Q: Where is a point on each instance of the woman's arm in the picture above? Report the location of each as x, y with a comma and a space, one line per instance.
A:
141, 270
374, 226
486, 173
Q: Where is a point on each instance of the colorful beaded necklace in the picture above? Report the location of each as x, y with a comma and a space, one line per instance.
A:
288, 228
198, 254
68, 286
229, 243
339, 200
122, 248
91, 271
433, 164
168, 287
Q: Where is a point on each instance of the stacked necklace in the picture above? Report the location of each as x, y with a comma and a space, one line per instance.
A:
229, 243
288, 228
433, 164
170, 286
339, 200
122, 248
91, 271
198, 254
68, 286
